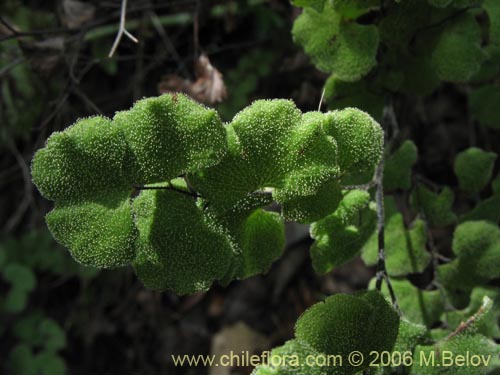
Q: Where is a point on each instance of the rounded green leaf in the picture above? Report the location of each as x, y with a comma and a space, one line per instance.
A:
180, 250
437, 207
445, 351
316, 4
100, 234
492, 9
359, 139
457, 55
483, 105
341, 94
21, 361
19, 276
168, 136
418, 306
346, 323
306, 198
474, 168
340, 236
256, 236
477, 246
397, 168
49, 363
405, 249
81, 162
347, 49
259, 139
291, 359
262, 240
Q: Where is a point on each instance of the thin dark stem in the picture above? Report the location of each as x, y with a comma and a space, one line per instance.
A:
168, 187
18, 34
196, 30
28, 193
379, 200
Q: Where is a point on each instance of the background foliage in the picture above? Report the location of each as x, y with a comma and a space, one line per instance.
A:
427, 70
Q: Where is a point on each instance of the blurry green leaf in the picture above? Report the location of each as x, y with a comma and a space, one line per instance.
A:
19, 276
486, 209
397, 169
52, 335
483, 105
318, 5
492, 8
50, 364
440, 3
340, 236
291, 358
21, 361
400, 24
343, 323
15, 301
340, 95
40, 332
437, 207
488, 314
473, 168
410, 334
405, 250
347, 49
417, 305
457, 55
446, 350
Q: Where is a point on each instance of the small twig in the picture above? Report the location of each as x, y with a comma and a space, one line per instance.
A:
167, 42
168, 187
28, 196
435, 257
382, 275
122, 30
11, 65
19, 34
321, 99
196, 30
8, 26
364, 187
478, 315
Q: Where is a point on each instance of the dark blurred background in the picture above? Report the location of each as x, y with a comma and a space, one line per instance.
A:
58, 317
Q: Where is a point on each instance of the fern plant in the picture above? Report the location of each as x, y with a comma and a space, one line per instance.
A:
166, 187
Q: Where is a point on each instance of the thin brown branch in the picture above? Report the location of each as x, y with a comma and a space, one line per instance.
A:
122, 30
28, 192
381, 274
168, 187
463, 326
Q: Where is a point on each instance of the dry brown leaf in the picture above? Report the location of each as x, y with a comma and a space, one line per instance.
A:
77, 13
208, 88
